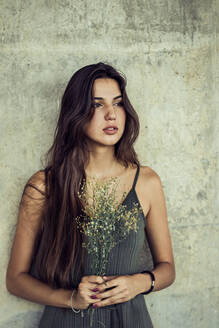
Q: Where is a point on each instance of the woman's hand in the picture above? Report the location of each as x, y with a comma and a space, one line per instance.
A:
88, 286
124, 289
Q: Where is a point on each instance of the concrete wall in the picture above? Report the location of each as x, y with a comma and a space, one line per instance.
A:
167, 49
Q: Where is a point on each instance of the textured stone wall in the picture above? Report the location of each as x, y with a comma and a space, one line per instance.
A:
168, 51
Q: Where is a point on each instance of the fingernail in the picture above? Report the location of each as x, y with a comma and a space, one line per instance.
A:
93, 296
95, 305
95, 290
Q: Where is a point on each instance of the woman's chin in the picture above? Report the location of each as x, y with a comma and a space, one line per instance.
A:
103, 143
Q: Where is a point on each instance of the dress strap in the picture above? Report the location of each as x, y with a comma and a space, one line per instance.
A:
136, 177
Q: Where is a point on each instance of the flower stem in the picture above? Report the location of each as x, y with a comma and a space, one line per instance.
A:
91, 310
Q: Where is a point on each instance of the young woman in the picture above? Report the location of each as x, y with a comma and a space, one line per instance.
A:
96, 130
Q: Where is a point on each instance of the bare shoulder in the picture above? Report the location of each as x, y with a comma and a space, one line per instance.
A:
150, 176
147, 187
32, 202
38, 179
36, 183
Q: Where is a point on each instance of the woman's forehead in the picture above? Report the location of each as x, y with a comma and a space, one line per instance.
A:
105, 88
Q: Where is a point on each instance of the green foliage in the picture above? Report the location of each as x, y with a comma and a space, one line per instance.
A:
104, 221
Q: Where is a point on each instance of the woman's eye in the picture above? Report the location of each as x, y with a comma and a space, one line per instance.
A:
96, 105
119, 103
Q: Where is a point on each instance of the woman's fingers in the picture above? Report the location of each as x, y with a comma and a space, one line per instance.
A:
110, 293
115, 299
93, 286
93, 279
121, 290
91, 283
111, 281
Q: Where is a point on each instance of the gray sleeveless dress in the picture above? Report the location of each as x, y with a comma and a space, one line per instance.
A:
130, 256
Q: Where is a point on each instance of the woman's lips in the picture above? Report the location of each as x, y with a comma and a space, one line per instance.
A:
110, 130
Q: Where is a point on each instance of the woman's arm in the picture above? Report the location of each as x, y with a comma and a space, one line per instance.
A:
18, 281
158, 235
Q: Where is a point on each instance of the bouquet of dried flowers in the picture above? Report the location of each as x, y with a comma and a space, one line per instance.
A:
104, 222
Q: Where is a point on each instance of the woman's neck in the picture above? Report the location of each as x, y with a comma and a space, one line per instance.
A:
103, 165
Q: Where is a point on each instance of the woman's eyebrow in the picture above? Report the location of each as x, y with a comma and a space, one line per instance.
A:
101, 98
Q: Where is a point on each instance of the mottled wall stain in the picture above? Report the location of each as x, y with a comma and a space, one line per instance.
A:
121, 21
23, 320
190, 17
167, 49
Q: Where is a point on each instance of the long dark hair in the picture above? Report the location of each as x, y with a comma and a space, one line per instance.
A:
58, 250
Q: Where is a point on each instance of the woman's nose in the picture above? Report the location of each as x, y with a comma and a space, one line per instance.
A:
111, 112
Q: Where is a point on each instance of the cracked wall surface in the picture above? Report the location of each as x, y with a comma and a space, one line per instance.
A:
168, 51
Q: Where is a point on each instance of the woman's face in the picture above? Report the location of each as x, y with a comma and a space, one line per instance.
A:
108, 122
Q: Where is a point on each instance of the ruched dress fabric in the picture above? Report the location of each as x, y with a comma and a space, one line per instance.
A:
132, 255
